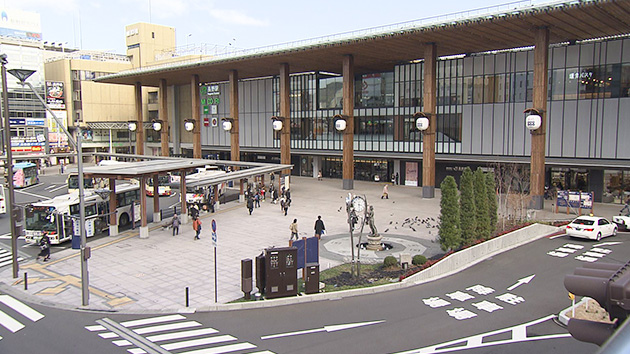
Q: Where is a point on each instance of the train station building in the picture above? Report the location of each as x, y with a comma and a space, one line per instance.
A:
415, 101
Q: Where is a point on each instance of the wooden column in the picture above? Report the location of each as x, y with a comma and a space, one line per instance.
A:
163, 116
285, 112
112, 206
428, 137
196, 115
235, 152
156, 196
143, 202
537, 173
139, 120
348, 112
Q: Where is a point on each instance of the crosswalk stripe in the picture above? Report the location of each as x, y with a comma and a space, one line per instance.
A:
5, 263
94, 328
152, 320
108, 335
181, 335
264, 352
10, 323
222, 349
197, 342
167, 327
21, 307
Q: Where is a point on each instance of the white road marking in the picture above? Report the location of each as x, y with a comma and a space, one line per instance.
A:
586, 259
152, 320
180, 335
197, 342
58, 188
601, 250
328, 329
607, 244
518, 332
32, 194
522, 281
593, 254
94, 328
10, 323
557, 254
22, 308
167, 327
570, 245
566, 250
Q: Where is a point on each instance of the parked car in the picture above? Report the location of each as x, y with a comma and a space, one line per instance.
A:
622, 221
591, 227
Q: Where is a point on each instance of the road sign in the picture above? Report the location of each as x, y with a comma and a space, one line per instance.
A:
214, 239
214, 226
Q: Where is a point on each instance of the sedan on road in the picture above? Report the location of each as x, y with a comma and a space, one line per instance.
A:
591, 227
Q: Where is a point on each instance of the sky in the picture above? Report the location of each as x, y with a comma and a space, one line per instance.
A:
239, 24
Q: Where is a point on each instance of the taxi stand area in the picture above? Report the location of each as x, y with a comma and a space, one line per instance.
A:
153, 166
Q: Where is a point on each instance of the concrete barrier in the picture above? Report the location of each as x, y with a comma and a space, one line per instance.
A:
468, 257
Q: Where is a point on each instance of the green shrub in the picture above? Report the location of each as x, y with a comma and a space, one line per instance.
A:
419, 259
390, 261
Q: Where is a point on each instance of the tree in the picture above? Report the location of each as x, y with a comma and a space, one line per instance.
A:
492, 202
467, 223
482, 218
449, 233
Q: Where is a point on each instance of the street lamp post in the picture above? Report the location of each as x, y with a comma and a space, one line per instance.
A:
22, 75
9, 165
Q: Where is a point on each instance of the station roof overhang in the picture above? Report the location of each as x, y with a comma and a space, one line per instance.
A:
160, 166
380, 49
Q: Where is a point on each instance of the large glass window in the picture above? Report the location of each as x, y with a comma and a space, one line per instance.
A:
409, 78
375, 90
330, 92
625, 80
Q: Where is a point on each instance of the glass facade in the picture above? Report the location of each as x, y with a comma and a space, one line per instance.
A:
480, 104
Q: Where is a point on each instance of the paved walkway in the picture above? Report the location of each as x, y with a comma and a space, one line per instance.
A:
130, 274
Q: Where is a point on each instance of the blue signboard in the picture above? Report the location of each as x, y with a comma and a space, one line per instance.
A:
312, 250
299, 244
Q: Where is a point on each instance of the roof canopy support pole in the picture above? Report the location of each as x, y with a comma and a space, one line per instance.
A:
139, 119
163, 116
182, 191
428, 136
537, 174
144, 229
285, 112
196, 115
235, 152
156, 197
348, 112
113, 218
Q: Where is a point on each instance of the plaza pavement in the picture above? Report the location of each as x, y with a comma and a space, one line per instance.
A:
129, 274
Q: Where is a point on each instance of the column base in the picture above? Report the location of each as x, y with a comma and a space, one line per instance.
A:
537, 203
156, 217
241, 198
113, 230
183, 219
144, 232
428, 192
348, 184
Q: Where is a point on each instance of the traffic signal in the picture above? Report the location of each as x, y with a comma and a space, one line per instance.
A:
609, 285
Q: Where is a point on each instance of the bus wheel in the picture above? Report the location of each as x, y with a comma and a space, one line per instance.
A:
124, 220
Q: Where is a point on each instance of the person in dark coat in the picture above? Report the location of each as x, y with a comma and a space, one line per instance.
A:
175, 224
319, 227
250, 204
44, 245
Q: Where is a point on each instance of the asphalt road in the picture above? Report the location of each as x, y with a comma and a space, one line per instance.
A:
391, 322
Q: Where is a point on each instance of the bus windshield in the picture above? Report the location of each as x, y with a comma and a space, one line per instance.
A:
41, 218
73, 182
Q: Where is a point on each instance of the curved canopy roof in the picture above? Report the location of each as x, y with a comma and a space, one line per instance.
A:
379, 49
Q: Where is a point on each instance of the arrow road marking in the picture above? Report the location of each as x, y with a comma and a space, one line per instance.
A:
607, 244
333, 328
521, 282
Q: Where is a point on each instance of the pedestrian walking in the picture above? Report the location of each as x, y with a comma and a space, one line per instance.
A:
294, 229
250, 205
194, 211
626, 208
257, 200
319, 175
385, 192
44, 246
397, 178
196, 225
319, 227
175, 224
274, 196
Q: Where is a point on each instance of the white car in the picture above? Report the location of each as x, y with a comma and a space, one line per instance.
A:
591, 227
622, 221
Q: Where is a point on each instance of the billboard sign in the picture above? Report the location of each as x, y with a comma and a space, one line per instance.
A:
54, 95
20, 24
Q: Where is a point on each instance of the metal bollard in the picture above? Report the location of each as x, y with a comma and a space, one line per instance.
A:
161, 217
175, 210
25, 281
186, 296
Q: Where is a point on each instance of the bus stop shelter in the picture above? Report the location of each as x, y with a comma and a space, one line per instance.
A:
143, 170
